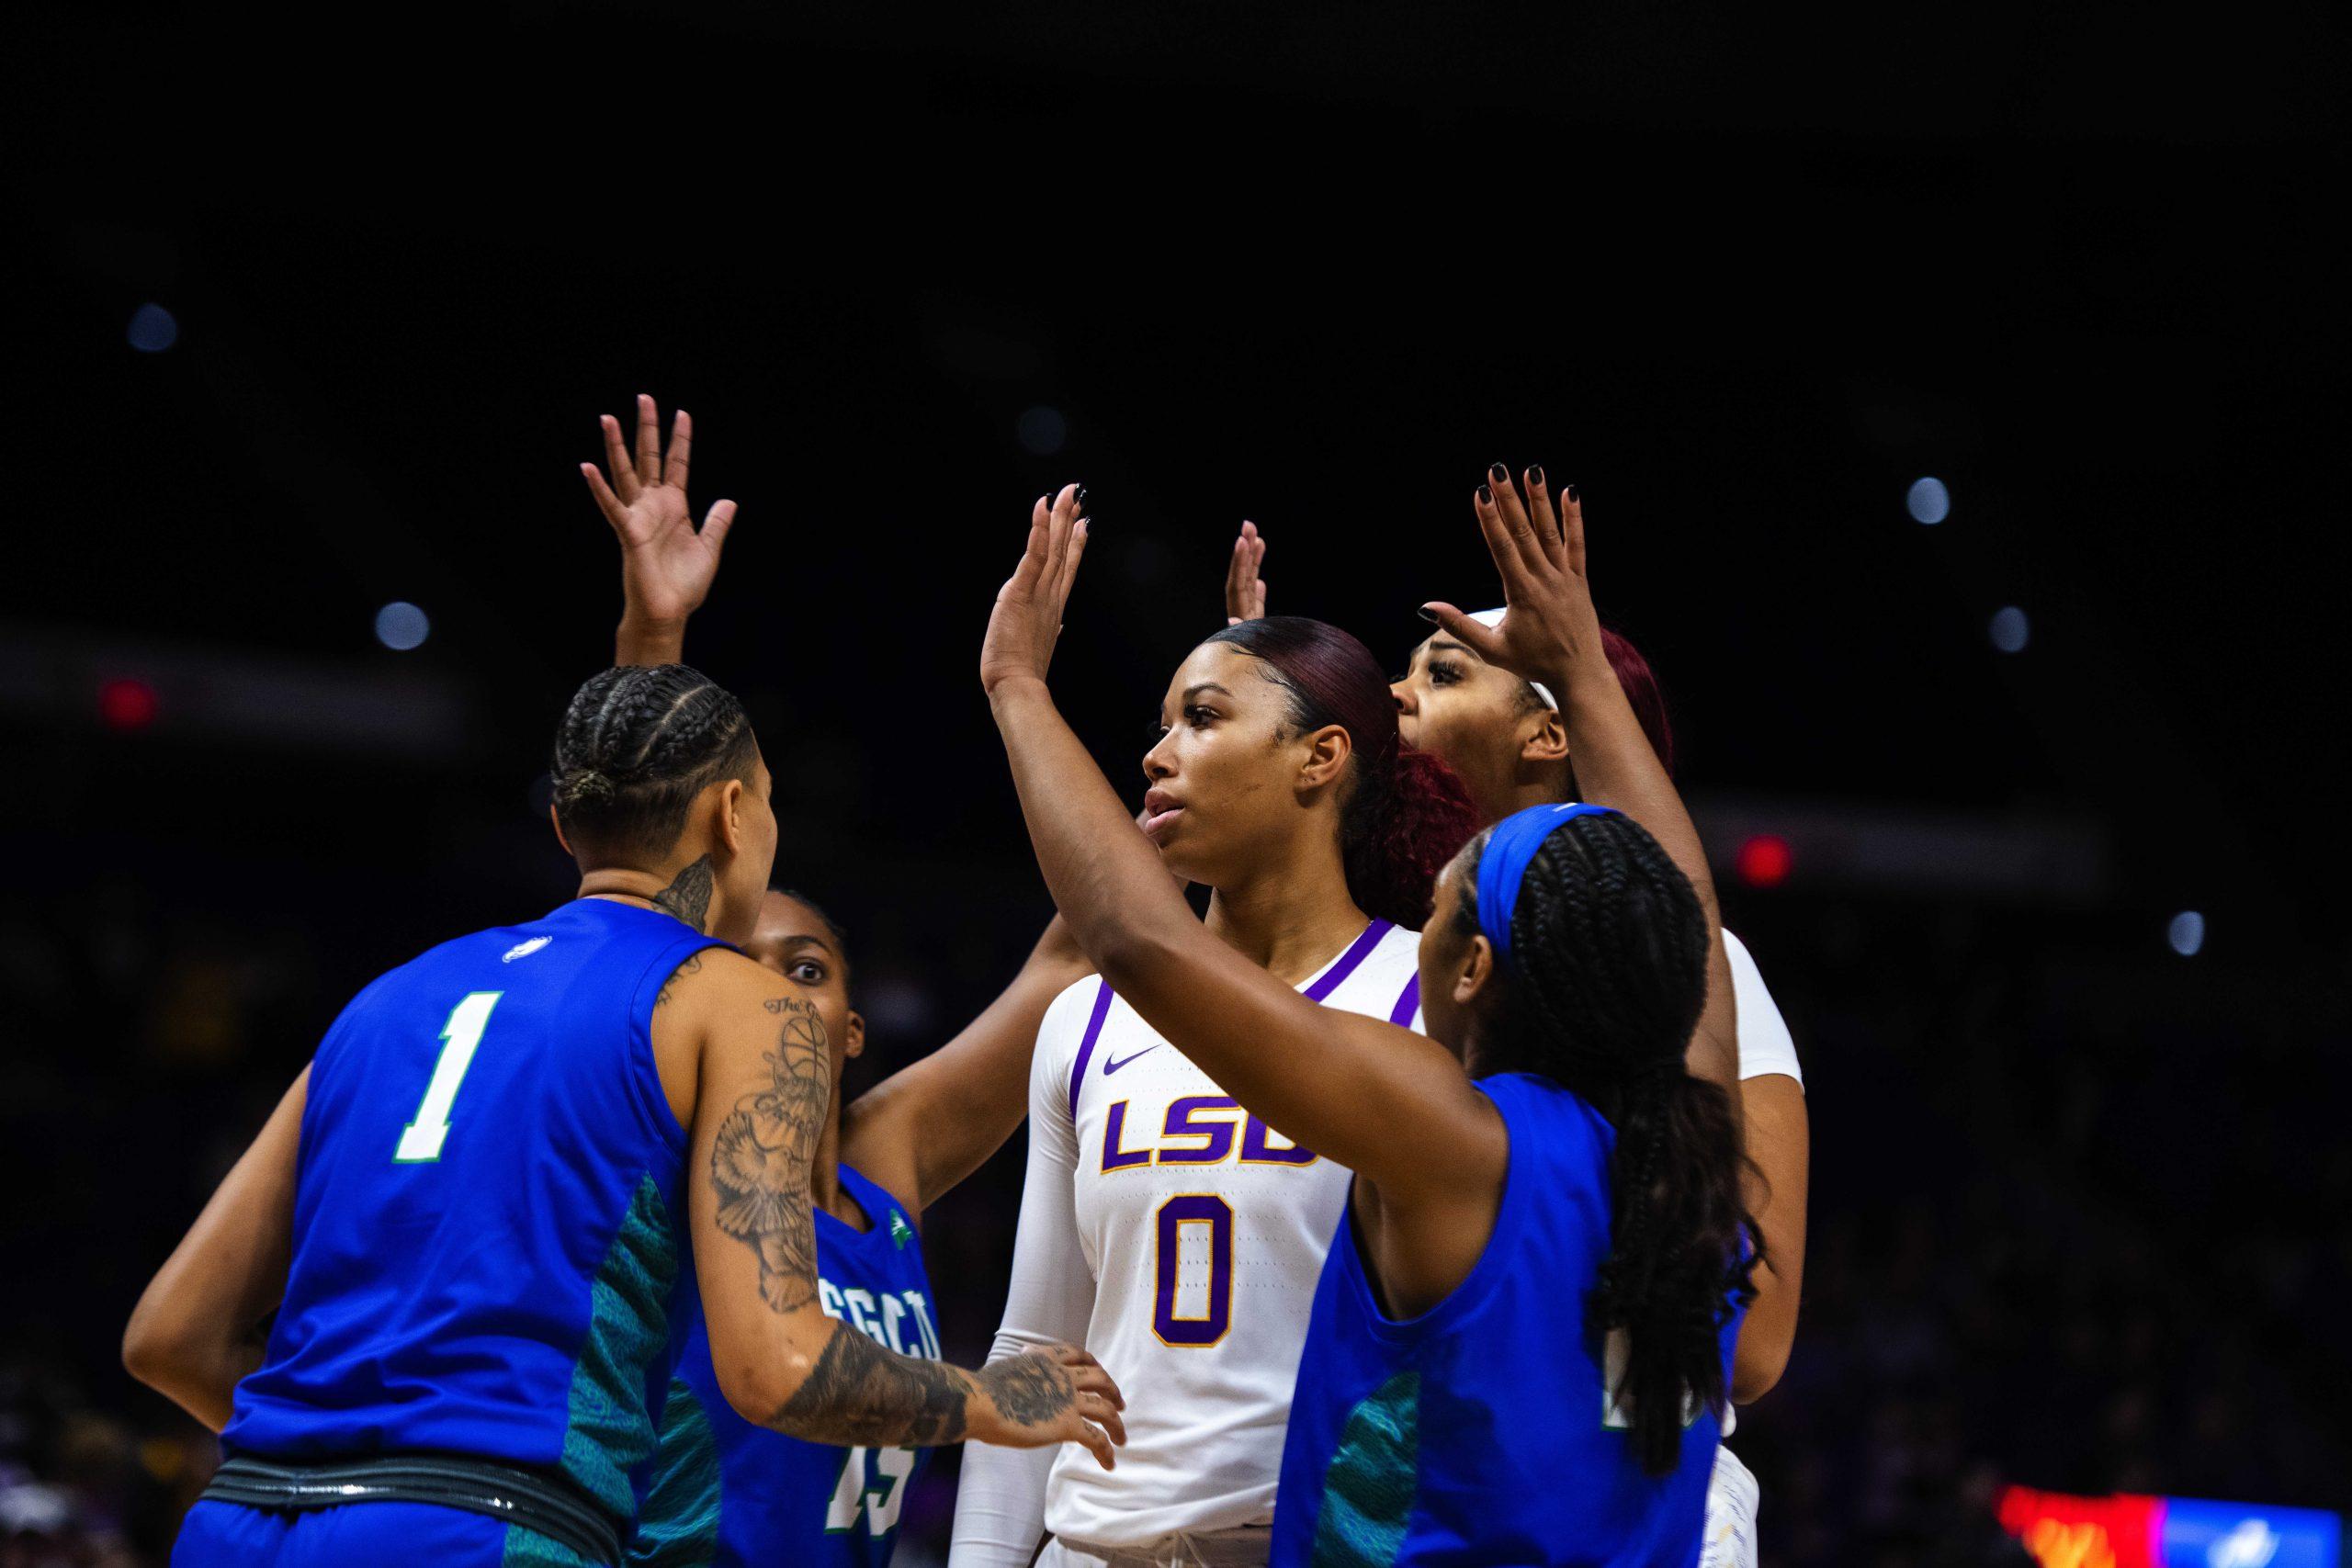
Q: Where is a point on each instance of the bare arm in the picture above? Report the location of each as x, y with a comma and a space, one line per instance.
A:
1552, 634
1779, 1145
666, 565
933, 1122
197, 1330
1335, 1082
761, 1104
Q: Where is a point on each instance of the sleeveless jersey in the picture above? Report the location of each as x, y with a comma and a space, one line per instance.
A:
489, 1211
1204, 1232
1480, 1431
731, 1494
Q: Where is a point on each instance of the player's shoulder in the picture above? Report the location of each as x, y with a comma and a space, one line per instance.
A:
1067, 1017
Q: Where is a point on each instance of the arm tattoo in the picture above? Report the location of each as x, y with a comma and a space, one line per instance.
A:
688, 894
859, 1393
1029, 1391
692, 965
759, 1162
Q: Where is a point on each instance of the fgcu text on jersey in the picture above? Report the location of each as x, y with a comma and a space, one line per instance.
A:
731, 1494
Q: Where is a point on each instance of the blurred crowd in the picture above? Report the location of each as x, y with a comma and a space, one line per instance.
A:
2081, 1210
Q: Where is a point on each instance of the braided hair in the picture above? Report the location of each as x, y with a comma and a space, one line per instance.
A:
637, 745
1406, 812
1608, 979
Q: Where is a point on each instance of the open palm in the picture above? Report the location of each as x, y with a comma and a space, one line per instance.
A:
667, 564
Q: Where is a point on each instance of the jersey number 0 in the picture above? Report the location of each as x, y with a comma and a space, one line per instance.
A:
421, 1139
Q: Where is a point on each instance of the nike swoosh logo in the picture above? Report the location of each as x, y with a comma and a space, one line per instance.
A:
1113, 1064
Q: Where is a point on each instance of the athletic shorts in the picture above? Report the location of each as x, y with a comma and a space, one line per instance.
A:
361, 1535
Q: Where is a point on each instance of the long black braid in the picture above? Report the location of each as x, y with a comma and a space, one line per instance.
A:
1608, 978
637, 745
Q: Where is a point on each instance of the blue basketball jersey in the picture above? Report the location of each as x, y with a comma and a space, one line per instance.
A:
490, 1211
1480, 1432
726, 1492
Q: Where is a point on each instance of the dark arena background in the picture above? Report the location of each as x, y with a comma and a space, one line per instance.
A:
1959, 408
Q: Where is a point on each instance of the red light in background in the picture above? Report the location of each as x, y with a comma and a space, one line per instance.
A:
1764, 860
127, 704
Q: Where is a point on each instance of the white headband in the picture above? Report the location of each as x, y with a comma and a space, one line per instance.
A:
1493, 618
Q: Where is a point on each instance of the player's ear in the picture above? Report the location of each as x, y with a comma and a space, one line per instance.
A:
1475, 971
726, 811
854, 1044
1328, 751
555, 822
1543, 740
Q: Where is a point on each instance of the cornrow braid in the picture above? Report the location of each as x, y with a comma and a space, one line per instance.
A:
637, 745
1610, 975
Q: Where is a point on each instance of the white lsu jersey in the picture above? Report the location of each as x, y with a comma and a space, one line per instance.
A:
1179, 1239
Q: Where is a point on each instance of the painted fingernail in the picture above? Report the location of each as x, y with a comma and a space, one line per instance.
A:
1499, 474
1081, 495
1535, 474
1485, 496
1572, 494
1425, 614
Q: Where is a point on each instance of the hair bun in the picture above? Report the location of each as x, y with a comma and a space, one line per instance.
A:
590, 784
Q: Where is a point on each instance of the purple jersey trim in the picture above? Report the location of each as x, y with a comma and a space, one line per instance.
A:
1409, 1002
1347, 962
1086, 1042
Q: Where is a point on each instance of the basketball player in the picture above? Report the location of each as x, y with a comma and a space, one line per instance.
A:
1505, 736
1175, 1232
471, 1211
725, 1490
1520, 1345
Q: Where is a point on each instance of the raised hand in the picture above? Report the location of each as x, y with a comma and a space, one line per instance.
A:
1245, 586
666, 565
1549, 631
1028, 614
1056, 1394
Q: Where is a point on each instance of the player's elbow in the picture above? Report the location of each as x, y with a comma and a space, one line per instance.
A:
760, 1383
157, 1351
1131, 956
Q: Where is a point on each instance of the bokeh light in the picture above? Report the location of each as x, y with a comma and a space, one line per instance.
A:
400, 626
2187, 933
1042, 430
152, 329
1930, 501
2010, 630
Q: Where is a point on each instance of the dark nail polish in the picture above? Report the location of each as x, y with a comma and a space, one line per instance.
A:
1082, 498
1536, 475
1485, 496
1500, 474
1426, 615
1572, 494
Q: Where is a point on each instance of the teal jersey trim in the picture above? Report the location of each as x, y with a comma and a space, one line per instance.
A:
1368, 1491
529, 1549
608, 1431
678, 1527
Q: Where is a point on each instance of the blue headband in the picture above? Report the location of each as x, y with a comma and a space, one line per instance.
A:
1510, 849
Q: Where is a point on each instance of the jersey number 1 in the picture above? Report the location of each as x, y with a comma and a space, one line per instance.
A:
421, 1139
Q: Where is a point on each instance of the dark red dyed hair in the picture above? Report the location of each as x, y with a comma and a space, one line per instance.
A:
1407, 812
1640, 682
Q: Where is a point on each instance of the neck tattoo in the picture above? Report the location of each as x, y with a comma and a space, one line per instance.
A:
688, 894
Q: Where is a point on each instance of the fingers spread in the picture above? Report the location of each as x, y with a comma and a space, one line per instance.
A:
715, 526
1573, 545
606, 502
682, 440
649, 443
617, 458
1514, 515
1547, 523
